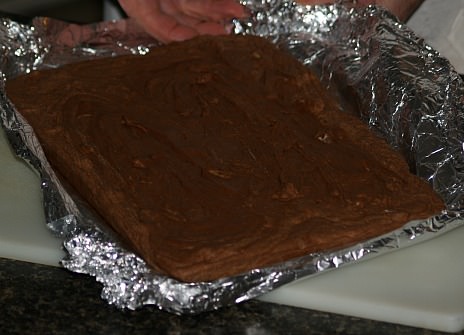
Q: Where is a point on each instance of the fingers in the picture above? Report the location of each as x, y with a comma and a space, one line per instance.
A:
167, 28
176, 20
212, 10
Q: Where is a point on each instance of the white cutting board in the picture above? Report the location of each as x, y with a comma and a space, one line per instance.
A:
420, 286
23, 234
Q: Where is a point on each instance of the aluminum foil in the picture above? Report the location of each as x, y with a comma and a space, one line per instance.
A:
376, 66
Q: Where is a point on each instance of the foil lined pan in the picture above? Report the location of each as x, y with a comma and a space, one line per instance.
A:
404, 90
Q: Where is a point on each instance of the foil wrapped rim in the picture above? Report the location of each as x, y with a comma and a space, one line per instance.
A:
406, 92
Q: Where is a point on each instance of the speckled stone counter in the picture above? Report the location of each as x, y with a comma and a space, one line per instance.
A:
37, 299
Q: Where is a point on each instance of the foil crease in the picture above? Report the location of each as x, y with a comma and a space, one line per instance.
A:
404, 90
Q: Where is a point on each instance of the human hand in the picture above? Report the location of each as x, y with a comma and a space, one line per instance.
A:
177, 20
402, 9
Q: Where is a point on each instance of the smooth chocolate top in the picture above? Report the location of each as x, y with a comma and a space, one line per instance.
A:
218, 155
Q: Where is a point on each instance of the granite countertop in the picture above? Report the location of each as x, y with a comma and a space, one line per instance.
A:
39, 299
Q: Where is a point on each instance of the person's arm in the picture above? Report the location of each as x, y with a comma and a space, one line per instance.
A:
176, 20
